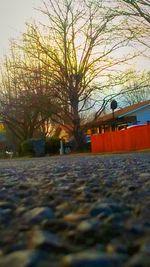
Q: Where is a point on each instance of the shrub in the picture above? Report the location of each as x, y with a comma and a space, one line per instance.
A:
52, 145
26, 148
3, 155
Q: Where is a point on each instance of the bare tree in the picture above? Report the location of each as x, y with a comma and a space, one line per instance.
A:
25, 102
129, 88
139, 8
81, 42
137, 17
136, 89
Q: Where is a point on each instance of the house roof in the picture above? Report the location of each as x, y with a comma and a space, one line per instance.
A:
125, 111
65, 127
118, 114
62, 127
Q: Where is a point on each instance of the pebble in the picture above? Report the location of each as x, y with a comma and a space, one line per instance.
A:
74, 217
39, 239
92, 259
5, 205
39, 214
76, 210
23, 258
139, 260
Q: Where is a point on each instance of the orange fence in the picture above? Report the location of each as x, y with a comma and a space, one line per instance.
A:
134, 138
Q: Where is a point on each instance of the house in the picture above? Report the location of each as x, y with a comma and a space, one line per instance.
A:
62, 131
131, 115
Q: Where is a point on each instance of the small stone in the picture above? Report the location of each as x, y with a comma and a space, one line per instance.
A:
64, 205
22, 258
5, 214
39, 214
5, 205
101, 209
137, 210
146, 247
21, 245
92, 259
39, 238
74, 217
20, 210
139, 260
116, 247
86, 226
144, 174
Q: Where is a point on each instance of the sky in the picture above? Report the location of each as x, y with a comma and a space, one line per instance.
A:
14, 14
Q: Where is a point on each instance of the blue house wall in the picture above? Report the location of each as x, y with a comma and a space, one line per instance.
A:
142, 114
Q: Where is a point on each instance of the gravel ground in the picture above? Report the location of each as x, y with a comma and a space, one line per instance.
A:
75, 211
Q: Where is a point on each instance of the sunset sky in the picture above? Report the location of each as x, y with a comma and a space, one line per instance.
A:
14, 14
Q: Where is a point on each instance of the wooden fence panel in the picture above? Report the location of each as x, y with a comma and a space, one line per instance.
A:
134, 138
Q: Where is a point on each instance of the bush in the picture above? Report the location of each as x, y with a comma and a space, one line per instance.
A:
33, 147
26, 148
3, 155
52, 145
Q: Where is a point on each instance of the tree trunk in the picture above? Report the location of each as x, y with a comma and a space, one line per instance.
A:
77, 132
78, 135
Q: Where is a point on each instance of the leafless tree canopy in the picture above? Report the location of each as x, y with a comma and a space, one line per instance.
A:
58, 69
137, 14
139, 8
25, 94
139, 83
81, 43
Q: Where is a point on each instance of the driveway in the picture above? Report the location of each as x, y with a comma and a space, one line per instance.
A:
75, 210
